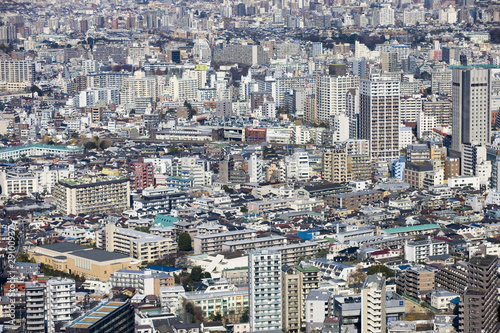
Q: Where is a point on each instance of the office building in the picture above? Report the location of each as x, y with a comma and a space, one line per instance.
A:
478, 309
224, 109
379, 117
60, 301
109, 317
92, 195
373, 316
265, 299
471, 107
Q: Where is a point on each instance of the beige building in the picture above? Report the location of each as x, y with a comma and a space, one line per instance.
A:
136, 244
335, 166
81, 260
92, 195
296, 284
212, 243
373, 317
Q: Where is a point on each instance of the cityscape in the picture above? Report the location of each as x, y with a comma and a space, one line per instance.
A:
243, 166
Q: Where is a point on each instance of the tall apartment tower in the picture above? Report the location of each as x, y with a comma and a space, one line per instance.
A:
143, 175
60, 302
331, 92
471, 107
334, 162
35, 307
373, 317
379, 116
478, 305
264, 275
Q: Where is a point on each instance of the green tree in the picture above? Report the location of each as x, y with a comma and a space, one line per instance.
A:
386, 271
184, 242
227, 189
243, 209
245, 316
322, 253
196, 274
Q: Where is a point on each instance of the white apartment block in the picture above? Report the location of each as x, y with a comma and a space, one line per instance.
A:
410, 106
17, 71
138, 86
265, 298
133, 243
212, 243
420, 250
373, 316
60, 299
332, 95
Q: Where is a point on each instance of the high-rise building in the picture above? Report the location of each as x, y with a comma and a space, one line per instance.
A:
35, 307
109, 317
60, 301
143, 175
223, 109
265, 299
390, 62
334, 164
255, 169
379, 116
478, 304
471, 107
17, 71
331, 95
373, 317
92, 195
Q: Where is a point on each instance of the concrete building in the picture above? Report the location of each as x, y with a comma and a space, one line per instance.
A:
331, 95
265, 298
135, 244
478, 309
373, 316
37, 149
416, 279
144, 282
108, 317
420, 250
471, 107
60, 301
212, 243
92, 195
17, 71
35, 307
143, 175
379, 117
334, 166
81, 260
318, 306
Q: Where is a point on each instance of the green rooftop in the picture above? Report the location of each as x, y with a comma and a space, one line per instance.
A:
307, 269
418, 227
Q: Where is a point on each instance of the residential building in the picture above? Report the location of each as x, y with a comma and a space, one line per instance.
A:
143, 175
478, 309
415, 280
92, 195
420, 250
379, 116
144, 282
334, 166
265, 298
35, 307
136, 244
471, 107
108, 317
373, 316
212, 243
60, 301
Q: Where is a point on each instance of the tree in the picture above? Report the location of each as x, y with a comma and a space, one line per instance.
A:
184, 242
245, 316
243, 209
356, 277
196, 274
322, 253
386, 271
36, 89
227, 189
